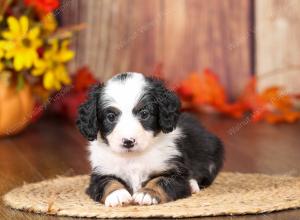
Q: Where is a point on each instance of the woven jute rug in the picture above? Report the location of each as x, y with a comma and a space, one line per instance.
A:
231, 194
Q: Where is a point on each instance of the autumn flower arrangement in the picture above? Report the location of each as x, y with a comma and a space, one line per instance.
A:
33, 55
30, 49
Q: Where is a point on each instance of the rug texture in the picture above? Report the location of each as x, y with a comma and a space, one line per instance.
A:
230, 194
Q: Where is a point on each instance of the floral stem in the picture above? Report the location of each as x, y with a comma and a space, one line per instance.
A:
65, 32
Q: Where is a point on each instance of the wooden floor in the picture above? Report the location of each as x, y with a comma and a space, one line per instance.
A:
52, 147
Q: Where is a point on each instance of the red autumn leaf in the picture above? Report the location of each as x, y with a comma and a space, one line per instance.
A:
68, 105
44, 6
83, 79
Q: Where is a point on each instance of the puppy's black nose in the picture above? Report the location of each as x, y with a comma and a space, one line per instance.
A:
128, 143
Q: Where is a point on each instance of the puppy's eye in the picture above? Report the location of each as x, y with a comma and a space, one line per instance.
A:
111, 117
144, 114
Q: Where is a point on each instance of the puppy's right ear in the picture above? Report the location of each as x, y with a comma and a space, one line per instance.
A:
88, 118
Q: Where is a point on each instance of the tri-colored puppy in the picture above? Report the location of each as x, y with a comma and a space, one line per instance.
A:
142, 149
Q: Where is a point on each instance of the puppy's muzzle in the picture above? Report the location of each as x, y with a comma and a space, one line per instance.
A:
128, 143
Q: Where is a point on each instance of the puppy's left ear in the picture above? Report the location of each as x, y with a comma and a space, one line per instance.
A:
88, 116
169, 107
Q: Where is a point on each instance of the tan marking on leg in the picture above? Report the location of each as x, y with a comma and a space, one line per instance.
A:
155, 191
112, 186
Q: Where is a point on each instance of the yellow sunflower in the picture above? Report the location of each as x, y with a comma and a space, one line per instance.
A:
21, 42
52, 65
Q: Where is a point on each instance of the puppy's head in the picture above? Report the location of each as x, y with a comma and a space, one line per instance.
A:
128, 111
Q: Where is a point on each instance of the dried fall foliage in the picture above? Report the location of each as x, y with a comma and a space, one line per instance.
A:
274, 105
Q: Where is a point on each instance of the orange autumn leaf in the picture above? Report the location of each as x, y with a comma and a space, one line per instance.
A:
235, 110
251, 101
272, 105
202, 89
278, 105
289, 117
278, 98
206, 90
249, 95
258, 114
214, 92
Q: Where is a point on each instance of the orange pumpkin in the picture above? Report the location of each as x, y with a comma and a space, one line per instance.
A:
16, 108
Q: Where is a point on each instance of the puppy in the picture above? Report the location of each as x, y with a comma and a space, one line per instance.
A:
142, 149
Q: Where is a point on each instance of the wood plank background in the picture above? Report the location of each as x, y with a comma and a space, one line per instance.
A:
277, 43
183, 35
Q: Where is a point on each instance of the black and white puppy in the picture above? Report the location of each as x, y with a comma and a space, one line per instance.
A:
142, 149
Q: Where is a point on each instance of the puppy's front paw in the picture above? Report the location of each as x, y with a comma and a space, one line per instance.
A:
145, 198
119, 197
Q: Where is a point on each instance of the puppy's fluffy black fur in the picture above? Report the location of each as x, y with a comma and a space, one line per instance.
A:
201, 152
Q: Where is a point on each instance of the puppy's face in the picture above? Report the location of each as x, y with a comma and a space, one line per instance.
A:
128, 112
129, 115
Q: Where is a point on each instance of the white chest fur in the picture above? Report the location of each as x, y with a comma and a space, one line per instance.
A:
134, 168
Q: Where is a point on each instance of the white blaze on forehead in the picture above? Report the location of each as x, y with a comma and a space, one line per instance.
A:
124, 94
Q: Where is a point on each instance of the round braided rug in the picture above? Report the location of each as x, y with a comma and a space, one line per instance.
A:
231, 194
